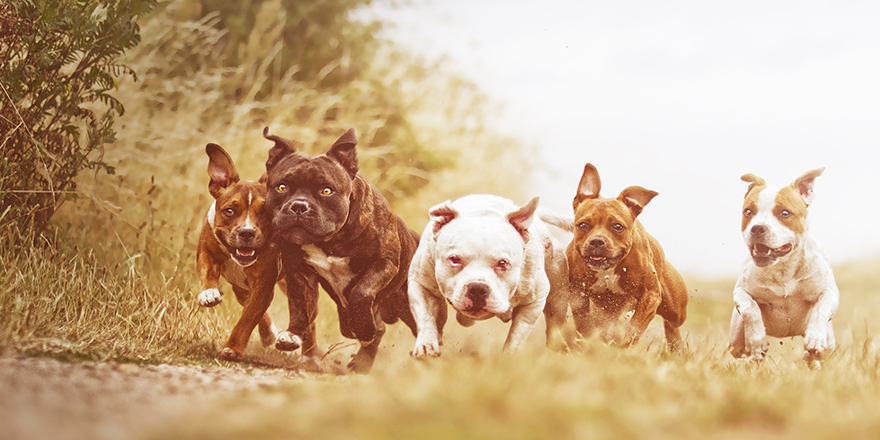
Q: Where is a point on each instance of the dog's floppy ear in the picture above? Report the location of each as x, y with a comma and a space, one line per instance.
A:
636, 198
522, 218
804, 184
442, 214
753, 181
282, 148
221, 170
589, 186
343, 151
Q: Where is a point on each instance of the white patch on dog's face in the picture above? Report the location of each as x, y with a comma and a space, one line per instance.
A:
478, 265
777, 234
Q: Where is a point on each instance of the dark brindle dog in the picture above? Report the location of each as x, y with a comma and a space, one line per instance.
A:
335, 229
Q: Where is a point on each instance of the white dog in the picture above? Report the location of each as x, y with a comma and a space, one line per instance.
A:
788, 288
486, 257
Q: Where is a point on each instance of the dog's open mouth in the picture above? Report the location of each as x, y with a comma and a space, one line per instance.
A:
764, 251
244, 256
764, 255
601, 262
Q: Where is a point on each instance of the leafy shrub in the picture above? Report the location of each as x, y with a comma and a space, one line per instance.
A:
57, 59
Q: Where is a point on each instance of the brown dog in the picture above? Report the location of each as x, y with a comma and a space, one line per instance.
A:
236, 242
334, 229
619, 269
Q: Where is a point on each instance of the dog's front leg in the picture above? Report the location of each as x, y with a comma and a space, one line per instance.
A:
819, 335
524, 318
427, 307
259, 297
302, 300
209, 278
754, 332
646, 308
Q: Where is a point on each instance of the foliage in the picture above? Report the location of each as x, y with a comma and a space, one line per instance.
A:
423, 134
56, 59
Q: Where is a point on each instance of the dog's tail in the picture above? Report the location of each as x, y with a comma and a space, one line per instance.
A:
564, 222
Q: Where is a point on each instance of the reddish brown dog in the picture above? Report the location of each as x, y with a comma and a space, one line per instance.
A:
618, 272
236, 242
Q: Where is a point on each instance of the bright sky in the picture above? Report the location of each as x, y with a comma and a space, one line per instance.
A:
682, 97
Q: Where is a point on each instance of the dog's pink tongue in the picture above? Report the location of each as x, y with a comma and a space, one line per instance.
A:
244, 252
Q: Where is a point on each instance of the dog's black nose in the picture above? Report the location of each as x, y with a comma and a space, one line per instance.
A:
247, 234
597, 242
759, 230
299, 207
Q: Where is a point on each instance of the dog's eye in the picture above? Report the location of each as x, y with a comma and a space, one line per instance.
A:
326, 191
747, 213
617, 227
503, 265
785, 213
229, 212
281, 188
455, 260
582, 226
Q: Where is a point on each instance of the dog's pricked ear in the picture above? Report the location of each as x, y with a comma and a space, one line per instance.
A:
221, 170
753, 182
522, 218
804, 184
636, 198
589, 186
282, 148
344, 152
442, 214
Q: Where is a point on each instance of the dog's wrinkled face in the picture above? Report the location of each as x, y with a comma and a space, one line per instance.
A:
774, 220
479, 260
603, 227
237, 216
309, 197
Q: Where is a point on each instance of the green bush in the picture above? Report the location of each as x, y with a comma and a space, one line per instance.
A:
58, 65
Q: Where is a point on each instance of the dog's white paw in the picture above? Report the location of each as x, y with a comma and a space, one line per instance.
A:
815, 340
426, 349
756, 347
210, 297
287, 341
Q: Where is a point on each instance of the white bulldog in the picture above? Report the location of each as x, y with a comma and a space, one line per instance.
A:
787, 288
486, 257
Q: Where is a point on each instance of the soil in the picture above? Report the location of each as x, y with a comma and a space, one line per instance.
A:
44, 398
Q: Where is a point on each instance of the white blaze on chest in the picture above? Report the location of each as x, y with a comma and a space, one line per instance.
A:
334, 270
607, 281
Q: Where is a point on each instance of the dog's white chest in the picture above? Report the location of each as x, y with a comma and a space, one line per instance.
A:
607, 282
333, 269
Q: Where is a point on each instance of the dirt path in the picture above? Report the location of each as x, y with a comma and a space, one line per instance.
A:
42, 398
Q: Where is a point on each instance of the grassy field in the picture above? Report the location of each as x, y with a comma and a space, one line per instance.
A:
63, 306
114, 281
472, 391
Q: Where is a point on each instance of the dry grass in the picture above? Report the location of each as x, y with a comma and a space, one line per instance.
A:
117, 283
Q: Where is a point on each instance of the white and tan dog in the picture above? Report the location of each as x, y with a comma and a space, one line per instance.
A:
787, 288
486, 257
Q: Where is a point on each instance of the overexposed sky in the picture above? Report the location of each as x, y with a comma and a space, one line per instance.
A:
682, 97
